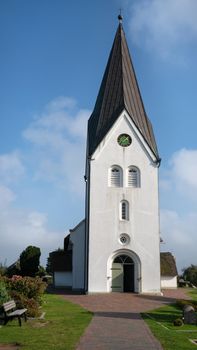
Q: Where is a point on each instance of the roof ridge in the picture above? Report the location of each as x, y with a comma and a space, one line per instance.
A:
145, 120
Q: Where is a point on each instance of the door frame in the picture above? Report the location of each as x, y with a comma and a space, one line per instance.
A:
137, 268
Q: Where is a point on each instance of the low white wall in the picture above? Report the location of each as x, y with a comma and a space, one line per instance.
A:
168, 282
63, 279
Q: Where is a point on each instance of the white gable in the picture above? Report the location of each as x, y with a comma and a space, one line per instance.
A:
127, 127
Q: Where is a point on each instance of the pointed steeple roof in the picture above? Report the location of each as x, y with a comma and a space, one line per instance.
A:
118, 91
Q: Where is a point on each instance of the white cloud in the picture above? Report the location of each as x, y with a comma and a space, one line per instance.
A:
163, 26
54, 152
178, 214
58, 136
59, 116
179, 232
11, 167
184, 169
61, 102
164, 184
7, 196
181, 174
20, 228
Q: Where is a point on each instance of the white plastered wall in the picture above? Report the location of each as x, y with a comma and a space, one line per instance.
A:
105, 225
168, 282
63, 279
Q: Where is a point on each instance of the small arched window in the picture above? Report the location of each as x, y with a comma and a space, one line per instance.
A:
133, 177
124, 210
115, 176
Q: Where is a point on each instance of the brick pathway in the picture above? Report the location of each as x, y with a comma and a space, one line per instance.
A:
117, 324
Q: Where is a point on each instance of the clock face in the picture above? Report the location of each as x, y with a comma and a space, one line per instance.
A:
124, 140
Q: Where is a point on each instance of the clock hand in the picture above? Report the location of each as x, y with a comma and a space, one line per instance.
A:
125, 139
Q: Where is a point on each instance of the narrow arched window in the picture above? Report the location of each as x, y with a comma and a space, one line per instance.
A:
124, 210
115, 176
133, 177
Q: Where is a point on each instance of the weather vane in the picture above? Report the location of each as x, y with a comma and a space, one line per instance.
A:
120, 18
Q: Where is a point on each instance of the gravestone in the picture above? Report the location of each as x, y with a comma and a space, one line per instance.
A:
189, 315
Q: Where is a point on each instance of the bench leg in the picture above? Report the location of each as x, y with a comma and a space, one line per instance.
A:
19, 321
25, 317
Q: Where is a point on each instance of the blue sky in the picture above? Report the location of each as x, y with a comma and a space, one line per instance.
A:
53, 55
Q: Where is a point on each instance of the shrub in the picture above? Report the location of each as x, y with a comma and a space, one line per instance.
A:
178, 322
4, 296
182, 302
190, 274
31, 304
27, 286
27, 292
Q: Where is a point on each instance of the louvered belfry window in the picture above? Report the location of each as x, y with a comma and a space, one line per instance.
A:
115, 176
133, 177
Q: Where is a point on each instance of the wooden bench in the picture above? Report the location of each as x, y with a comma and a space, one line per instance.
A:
11, 312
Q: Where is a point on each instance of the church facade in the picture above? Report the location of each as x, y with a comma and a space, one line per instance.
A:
116, 248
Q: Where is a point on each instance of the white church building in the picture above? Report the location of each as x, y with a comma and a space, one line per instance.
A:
116, 248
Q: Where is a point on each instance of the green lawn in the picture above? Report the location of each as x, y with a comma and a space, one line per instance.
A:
193, 294
61, 328
160, 322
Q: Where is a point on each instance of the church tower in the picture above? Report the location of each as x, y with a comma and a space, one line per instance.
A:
122, 206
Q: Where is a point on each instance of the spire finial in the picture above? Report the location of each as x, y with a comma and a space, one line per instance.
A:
120, 18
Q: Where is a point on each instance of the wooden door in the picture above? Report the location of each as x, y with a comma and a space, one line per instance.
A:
117, 277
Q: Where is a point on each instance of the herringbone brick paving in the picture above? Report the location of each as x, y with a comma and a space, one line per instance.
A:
117, 324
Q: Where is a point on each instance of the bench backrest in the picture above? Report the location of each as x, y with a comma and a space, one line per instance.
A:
9, 305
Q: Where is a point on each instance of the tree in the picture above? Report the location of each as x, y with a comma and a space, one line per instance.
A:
49, 265
14, 269
3, 268
41, 271
190, 274
29, 261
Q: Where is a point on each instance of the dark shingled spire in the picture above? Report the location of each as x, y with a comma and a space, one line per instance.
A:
119, 90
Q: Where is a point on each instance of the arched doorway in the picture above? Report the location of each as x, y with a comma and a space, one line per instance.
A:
123, 274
